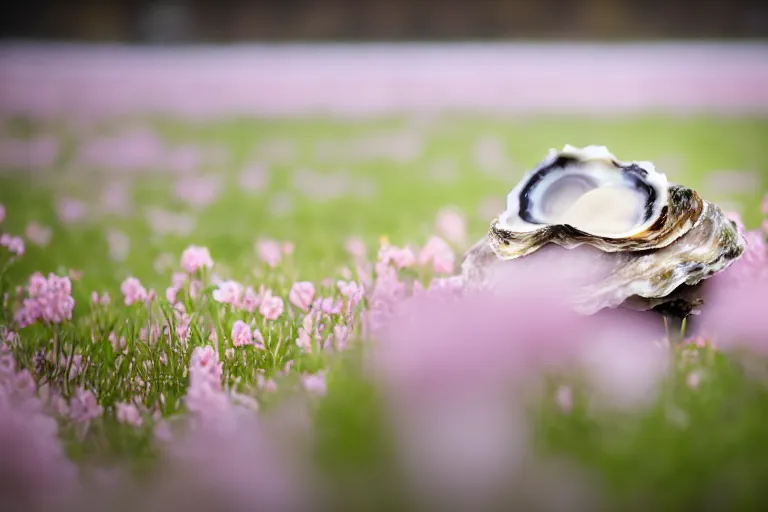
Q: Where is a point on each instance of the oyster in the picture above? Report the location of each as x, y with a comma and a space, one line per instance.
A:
659, 239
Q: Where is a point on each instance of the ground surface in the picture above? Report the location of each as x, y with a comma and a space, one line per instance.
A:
103, 198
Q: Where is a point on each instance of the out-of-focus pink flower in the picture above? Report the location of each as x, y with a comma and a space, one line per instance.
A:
356, 248
228, 292
164, 222
351, 290
205, 394
129, 414
314, 383
254, 178
83, 407
31, 451
133, 291
14, 244
402, 257
251, 300
564, 399
271, 307
170, 294
195, 258
734, 313
119, 244
451, 225
287, 248
301, 295
198, 191
439, 253
693, 380
269, 251
764, 206
71, 210
329, 305
38, 234
241, 334
2, 213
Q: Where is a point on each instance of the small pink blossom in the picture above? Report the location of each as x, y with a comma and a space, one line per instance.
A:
71, 210
241, 334
693, 380
195, 258
452, 225
287, 248
178, 280
170, 294
564, 399
301, 295
356, 248
48, 300
271, 307
251, 300
195, 288
129, 414
16, 246
83, 407
133, 291
314, 384
269, 251
38, 234
439, 253
119, 245
228, 292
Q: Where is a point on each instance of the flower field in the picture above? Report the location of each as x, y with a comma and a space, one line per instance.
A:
267, 314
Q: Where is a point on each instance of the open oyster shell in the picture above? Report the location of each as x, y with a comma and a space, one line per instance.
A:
659, 240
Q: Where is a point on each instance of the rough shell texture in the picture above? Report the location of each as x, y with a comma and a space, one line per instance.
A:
657, 266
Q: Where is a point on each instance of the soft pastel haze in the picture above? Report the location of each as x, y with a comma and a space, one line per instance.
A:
231, 279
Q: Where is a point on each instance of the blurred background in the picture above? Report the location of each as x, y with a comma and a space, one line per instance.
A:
177, 21
173, 112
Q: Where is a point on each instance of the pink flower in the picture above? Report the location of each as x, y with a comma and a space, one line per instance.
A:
452, 225
170, 294
287, 248
71, 210
693, 380
228, 292
83, 407
314, 384
271, 307
301, 295
48, 300
564, 399
129, 414
178, 280
269, 252
196, 258
251, 300
764, 206
133, 291
37, 234
401, 257
356, 248
439, 253
16, 246
349, 289
119, 244
241, 334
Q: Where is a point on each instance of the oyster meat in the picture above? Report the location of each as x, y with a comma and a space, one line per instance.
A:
661, 239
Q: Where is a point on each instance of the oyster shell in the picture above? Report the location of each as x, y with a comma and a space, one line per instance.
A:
659, 240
